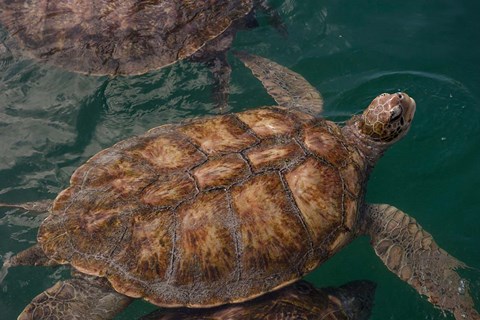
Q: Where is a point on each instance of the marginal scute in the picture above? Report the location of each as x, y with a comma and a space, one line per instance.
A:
221, 172
78, 177
268, 122
218, 135
63, 200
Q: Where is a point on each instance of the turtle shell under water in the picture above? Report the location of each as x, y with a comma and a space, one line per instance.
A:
116, 37
211, 211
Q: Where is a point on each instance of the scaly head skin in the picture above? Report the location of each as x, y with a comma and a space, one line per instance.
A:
385, 121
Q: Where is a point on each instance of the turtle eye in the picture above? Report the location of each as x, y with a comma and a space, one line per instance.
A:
396, 113
303, 287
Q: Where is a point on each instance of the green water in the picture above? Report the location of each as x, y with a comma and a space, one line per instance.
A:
52, 121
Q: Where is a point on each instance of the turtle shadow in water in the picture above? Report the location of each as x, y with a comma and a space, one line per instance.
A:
300, 300
87, 120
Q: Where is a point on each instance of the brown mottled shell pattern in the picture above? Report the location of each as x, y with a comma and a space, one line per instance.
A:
210, 211
116, 37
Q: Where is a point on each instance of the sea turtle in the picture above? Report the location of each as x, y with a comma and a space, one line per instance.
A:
223, 209
299, 301
112, 37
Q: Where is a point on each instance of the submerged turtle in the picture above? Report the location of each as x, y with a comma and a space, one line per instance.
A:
301, 300
224, 209
111, 37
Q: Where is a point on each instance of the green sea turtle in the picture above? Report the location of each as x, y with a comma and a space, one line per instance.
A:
224, 209
112, 37
299, 301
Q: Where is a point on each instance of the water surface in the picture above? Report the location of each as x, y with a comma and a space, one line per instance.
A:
52, 121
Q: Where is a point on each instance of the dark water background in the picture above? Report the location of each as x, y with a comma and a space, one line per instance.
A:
51, 121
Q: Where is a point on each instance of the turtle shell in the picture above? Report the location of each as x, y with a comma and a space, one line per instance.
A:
298, 301
211, 211
116, 37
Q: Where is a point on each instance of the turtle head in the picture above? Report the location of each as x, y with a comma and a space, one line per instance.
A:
387, 119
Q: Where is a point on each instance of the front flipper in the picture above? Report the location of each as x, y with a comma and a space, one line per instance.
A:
288, 88
214, 55
78, 298
412, 254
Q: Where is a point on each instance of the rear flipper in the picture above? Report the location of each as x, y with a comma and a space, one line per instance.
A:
412, 254
80, 298
33, 256
41, 206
